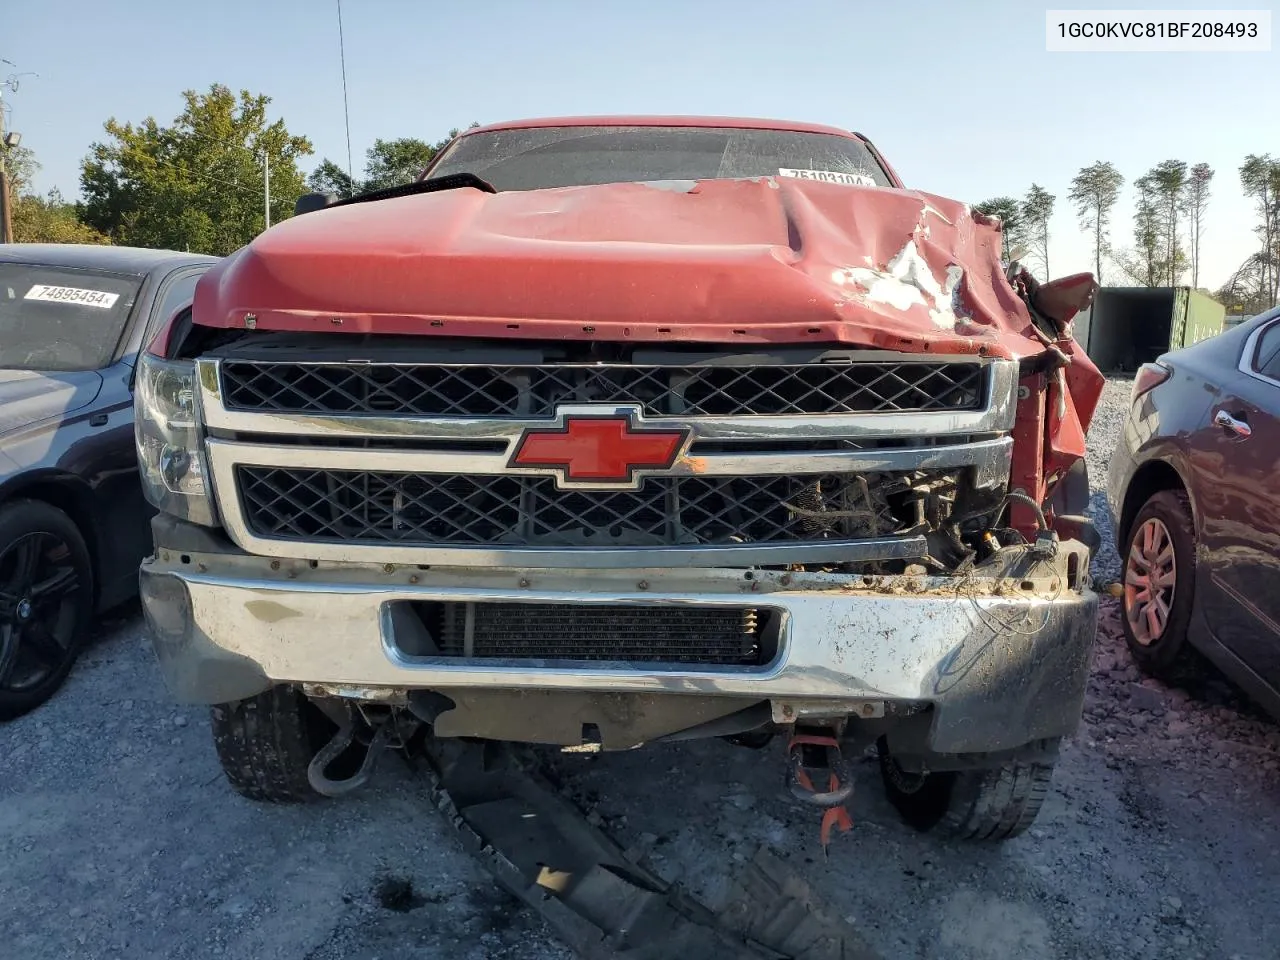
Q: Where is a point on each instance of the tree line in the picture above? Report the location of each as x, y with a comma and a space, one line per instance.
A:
1168, 226
201, 184
205, 182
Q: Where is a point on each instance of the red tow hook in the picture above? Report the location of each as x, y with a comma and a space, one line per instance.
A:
839, 781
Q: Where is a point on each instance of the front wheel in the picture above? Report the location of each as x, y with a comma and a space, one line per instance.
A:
46, 603
993, 804
1159, 581
266, 743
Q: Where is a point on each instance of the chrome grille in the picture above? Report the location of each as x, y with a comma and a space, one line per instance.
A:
534, 391
613, 632
459, 510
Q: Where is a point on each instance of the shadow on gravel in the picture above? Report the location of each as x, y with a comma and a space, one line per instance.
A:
127, 614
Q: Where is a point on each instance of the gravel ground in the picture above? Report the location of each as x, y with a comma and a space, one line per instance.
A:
118, 836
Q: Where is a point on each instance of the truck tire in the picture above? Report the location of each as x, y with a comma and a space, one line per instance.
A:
265, 744
993, 804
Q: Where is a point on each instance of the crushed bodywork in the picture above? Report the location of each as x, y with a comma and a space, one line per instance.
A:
606, 464
753, 262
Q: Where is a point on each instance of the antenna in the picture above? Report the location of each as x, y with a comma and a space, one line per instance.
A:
346, 111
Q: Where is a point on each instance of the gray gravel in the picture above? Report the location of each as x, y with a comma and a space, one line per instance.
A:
1103, 432
118, 836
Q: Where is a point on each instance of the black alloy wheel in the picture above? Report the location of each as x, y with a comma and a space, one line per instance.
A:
46, 603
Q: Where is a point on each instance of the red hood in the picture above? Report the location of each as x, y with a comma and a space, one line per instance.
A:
773, 260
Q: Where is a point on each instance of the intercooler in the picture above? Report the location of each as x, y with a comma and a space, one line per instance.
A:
724, 635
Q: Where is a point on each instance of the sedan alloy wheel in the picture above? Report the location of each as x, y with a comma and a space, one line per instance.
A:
38, 581
1150, 581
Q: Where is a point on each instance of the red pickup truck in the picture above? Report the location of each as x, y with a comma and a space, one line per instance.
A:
611, 431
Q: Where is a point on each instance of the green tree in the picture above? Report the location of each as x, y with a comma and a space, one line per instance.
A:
1170, 180
1145, 264
1260, 178
1008, 211
50, 219
1037, 209
198, 184
1245, 292
331, 178
1094, 191
393, 162
388, 163
1195, 201
21, 165
47, 219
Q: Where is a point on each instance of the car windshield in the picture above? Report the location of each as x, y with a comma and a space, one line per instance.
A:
532, 158
61, 319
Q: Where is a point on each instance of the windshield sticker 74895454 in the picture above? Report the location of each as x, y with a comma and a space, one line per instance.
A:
829, 176
89, 298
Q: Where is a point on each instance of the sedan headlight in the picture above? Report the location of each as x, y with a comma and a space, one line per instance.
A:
167, 428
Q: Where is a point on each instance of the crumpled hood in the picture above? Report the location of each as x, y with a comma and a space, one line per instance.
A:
28, 397
772, 260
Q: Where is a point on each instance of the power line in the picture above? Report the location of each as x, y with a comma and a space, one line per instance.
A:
266, 170
346, 111
203, 175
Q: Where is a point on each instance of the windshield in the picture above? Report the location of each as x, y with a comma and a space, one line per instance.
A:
61, 319
532, 158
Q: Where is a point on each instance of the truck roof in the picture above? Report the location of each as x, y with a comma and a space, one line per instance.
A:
644, 120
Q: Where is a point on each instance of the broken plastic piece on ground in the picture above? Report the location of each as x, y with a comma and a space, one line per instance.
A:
768, 903
834, 817
609, 905
553, 880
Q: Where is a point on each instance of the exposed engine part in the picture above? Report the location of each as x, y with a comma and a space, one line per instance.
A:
848, 510
1045, 546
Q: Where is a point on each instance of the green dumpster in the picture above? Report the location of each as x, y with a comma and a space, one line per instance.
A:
1130, 326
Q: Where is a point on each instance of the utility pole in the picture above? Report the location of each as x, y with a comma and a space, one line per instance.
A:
6, 216
7, 140
266, 187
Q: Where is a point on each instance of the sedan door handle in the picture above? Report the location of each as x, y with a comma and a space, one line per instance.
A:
1239, 427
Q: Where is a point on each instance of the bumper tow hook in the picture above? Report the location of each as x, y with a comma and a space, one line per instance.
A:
343, 739
802, 771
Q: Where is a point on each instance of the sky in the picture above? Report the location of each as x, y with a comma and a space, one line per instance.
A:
959, 95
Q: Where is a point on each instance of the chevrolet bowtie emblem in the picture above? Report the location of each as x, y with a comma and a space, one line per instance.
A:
599, 449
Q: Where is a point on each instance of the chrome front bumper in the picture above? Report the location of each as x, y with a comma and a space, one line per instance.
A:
1001, 663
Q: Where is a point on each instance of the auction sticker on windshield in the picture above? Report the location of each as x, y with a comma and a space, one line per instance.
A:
89, 298
828, 176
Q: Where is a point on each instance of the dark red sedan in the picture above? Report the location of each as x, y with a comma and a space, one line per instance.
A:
1194, 489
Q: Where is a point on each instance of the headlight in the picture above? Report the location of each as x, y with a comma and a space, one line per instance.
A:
167, 427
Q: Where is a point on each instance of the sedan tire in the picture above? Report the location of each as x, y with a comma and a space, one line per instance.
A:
46, 603
1159, 560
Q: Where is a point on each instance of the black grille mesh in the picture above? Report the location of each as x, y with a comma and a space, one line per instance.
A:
621, 632
535, 391
446, 509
